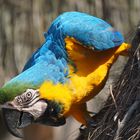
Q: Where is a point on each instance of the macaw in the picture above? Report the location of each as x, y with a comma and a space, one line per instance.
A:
69, 69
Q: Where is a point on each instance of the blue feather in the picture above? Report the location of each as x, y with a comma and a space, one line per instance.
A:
88, 30
50, 61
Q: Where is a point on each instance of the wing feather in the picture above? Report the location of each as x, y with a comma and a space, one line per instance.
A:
88, 30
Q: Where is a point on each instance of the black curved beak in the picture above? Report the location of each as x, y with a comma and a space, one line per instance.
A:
16, 120
40, 112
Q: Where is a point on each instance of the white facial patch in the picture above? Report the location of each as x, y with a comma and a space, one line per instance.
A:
37, 109
30, 102
27, 99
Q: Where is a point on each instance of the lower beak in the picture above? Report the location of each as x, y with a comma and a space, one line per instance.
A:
15, 120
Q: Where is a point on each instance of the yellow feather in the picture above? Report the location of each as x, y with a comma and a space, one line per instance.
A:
92, 73
58, 93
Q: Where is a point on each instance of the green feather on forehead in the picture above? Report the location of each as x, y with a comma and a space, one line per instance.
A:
11, 90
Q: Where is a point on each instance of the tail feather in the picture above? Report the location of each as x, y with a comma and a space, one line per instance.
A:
124, 49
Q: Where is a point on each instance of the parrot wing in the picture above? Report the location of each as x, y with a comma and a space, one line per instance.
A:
88, 30
50, 61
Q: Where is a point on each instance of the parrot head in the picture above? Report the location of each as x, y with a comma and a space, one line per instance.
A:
22, 103
30, 107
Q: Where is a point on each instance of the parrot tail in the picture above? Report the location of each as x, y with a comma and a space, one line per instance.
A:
124, 49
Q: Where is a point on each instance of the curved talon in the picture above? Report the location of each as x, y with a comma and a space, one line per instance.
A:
83, 130
90, 125
93, 113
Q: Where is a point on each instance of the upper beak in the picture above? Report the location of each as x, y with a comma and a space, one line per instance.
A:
15, 120
17, 117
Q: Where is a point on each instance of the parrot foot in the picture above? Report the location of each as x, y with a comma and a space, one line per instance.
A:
90, 125
83, 132
82, 128
92, 113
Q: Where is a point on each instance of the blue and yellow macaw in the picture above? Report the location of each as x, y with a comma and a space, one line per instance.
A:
70, 68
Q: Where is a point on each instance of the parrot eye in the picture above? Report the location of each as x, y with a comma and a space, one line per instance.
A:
28, 95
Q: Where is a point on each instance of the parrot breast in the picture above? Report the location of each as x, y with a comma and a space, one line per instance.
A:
92, 68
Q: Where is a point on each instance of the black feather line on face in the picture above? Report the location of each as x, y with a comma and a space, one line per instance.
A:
27, 99
54, 109
53, 114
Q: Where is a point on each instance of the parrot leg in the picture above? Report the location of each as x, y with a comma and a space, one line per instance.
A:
90, 123
81, 114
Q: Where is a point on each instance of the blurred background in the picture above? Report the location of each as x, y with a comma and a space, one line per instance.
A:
22, 23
